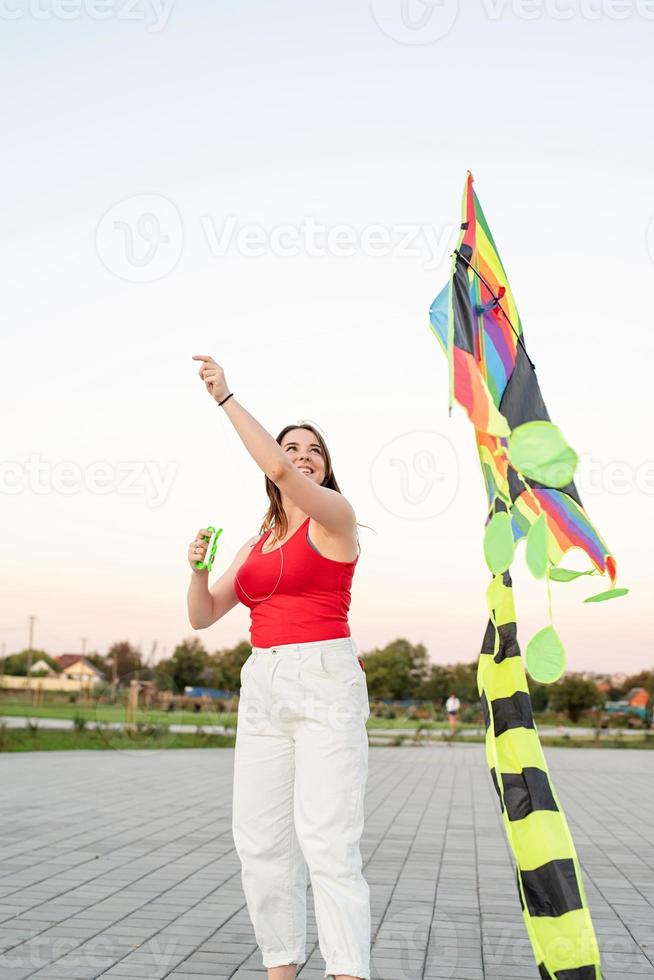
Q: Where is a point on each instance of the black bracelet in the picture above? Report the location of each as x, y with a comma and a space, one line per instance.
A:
225, 399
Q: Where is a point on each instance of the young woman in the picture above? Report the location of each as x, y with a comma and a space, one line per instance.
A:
452, 706
301, 755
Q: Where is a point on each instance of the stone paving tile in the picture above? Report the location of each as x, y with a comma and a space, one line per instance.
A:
121, 865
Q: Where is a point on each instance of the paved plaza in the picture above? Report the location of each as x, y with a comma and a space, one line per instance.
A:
122, 865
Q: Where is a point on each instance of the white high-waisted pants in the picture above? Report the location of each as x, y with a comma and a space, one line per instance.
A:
300, 770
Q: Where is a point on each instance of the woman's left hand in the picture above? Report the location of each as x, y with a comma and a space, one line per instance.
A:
213, 376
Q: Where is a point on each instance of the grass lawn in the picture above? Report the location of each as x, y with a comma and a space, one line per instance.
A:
409, 730
158, 739
116, 713
22, 740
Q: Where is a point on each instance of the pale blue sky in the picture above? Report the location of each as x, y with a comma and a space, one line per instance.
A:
237, 128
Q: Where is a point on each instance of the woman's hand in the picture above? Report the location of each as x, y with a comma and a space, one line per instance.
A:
197, 551
213, 376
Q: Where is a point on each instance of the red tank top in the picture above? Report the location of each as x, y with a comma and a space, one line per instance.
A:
295, 594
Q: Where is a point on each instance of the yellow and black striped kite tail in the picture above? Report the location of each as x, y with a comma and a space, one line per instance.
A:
548, 875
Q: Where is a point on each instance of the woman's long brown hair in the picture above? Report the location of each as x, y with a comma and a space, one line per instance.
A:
275, 518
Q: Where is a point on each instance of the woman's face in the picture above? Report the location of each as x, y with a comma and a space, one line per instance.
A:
305, 452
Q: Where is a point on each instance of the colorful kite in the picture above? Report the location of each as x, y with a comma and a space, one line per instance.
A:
528, 471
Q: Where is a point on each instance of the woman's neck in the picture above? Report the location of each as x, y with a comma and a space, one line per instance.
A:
294, 516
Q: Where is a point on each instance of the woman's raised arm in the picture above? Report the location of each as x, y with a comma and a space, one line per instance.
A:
327, 507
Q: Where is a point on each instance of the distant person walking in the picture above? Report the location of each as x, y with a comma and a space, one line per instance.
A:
452, 706
301, 754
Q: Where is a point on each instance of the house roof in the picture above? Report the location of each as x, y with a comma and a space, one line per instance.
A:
68, 659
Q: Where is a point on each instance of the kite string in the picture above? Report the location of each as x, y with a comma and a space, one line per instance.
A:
499, 306
549, 594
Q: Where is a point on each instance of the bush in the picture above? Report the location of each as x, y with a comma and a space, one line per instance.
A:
574, 695
151, 730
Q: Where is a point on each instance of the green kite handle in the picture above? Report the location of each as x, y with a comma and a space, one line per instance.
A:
212, 537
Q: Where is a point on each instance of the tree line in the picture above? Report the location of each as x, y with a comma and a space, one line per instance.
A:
398, 671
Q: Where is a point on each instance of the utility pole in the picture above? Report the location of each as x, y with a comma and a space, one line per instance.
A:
29, 651
83, 646
150, 669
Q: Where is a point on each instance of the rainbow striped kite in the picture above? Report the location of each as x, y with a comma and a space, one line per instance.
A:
527, 469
